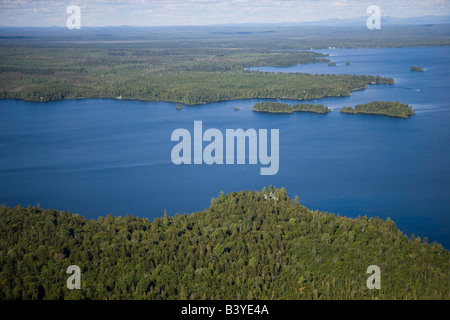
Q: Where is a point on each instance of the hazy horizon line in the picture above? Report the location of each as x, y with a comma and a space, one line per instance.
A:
287, 23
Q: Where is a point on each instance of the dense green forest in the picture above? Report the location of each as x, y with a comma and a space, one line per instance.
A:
387, 108
246, 245
151, 72
278, 107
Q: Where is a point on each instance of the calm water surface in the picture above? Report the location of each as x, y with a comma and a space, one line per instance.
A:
101, 156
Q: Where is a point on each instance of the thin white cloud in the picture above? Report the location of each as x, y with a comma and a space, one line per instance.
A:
204, 12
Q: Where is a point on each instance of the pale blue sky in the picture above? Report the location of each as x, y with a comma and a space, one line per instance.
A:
205, 12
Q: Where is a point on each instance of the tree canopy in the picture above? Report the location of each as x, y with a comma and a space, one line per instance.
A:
246, 245
278, 107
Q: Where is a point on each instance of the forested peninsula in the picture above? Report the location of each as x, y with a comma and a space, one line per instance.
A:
246, 245
387, 108
161, 66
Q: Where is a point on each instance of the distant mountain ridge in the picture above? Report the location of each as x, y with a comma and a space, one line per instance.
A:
429, 19
384, 20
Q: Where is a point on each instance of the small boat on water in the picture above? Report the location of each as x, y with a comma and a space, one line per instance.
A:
237, 108
179, 107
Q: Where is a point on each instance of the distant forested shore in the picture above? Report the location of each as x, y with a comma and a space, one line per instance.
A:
55, 65
189, 88
187, 65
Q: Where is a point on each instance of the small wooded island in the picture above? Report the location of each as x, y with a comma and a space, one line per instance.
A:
416, 68
278, 107
387, 108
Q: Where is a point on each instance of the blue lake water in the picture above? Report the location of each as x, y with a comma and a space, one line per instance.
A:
101, 156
